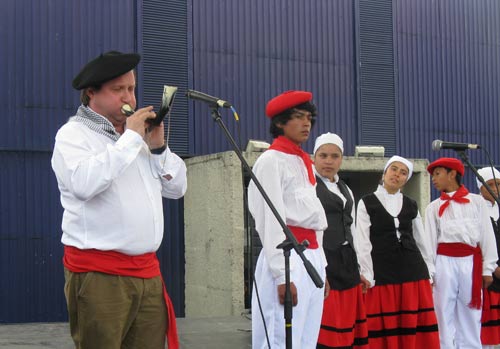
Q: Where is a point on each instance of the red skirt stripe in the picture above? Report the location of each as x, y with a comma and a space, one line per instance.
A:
402, 316
490, 319
343, 324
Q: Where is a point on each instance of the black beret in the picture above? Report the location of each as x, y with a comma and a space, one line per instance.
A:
106, 67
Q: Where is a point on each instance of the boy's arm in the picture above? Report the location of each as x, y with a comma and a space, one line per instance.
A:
424, 244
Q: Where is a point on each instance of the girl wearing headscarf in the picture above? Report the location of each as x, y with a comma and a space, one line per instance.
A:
343, 324
490, 319
395, 259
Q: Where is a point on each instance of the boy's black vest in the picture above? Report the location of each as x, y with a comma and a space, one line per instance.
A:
342, 270
495, 286
394, 260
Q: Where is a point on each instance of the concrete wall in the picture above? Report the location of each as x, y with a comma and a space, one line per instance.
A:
214, 236
214, 224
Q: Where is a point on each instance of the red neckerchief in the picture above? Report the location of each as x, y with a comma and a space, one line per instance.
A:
457, 249
459, 197
283, 144
144, 266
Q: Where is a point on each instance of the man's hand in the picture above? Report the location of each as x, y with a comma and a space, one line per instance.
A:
155, 137
487, 281
137, 121
293, 290
365, 284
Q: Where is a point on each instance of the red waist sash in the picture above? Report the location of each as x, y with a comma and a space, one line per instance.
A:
457, 249
144, 266
302, 234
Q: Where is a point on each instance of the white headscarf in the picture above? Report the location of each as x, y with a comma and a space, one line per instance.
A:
487, 174
329, 138
407, 163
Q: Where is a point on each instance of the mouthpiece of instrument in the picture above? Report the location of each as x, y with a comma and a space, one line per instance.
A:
127, 110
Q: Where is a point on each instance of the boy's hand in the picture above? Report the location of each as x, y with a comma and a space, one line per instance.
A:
487, 281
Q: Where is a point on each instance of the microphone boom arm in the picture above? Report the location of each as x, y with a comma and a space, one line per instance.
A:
465, 159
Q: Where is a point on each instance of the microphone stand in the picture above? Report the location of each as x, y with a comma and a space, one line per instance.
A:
465, 159
289, 242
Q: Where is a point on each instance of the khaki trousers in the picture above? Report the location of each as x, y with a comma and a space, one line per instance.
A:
115, 312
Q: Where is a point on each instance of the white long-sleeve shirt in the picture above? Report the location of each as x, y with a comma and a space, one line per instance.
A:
111, 191
465, 223
284, 178
393, 203
334, 188
493, 210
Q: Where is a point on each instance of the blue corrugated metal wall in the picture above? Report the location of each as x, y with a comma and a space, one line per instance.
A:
45, 43
448, 58
246, 52
446, 69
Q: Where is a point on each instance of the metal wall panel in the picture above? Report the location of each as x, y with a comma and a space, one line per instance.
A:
165, 62
30, 247
45, 43
247, 52
377, 119
448, 55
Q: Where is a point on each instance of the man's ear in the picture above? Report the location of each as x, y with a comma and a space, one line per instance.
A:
90, 92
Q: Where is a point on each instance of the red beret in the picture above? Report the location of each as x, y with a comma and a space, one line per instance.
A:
451, 163
285, 101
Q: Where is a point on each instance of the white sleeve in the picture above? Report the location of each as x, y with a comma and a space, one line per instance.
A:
363, 244
487, 240
431, 231
353, 215
424, 244
85, 173
270, 232
172, 170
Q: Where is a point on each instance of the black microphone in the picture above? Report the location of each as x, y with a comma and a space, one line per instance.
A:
438, 145
207, 98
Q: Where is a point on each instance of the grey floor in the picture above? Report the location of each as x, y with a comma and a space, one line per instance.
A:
208, 333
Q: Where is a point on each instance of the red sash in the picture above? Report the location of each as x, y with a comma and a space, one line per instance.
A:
462, 250
302, 234
144, 266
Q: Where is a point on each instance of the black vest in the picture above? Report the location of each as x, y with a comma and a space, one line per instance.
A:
342, 270
394, 260
495, 286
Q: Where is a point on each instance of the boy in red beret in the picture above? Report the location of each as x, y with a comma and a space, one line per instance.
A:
459, 227
285, 172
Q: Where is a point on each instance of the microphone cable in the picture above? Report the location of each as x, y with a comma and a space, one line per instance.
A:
260, 310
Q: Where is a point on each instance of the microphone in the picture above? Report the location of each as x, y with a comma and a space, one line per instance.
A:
438, 145
200, 96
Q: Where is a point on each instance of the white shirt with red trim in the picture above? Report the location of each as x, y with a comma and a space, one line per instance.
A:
285, 180
464, 223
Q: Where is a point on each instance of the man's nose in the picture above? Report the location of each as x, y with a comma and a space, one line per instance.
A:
129, 96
